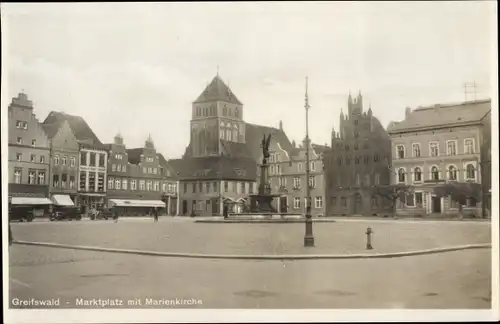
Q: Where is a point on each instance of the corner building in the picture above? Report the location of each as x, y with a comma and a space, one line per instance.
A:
358, 161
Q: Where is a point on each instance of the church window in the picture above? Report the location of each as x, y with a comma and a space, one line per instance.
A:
236, 112
222, 131
228, 132
235, 133
224, 111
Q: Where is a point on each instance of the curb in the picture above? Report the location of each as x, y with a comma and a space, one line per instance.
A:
260, 257
250, 221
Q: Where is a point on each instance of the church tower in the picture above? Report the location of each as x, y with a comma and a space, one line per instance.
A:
217, 115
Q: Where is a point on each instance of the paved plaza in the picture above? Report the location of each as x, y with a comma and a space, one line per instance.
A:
460, 279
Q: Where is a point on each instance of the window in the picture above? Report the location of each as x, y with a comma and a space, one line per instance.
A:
235, 187
133, 184
313, 166
271, 169
312, 182
366, 159
417, 174
164, 187
63, 160
64, 179
343, 201
419, 199
142, 185
356, 146
318, 202
470, 172
235, 133
83, 158
149, 185
185, 187
72, 161
102, 160
82, 179
469, 146
334, 201
221, 131
374, 201
149, 159
358, 180
377, 178
250, 188
401, 175
228, 132
282, 181
19, 124
356, 134
339, 161
113, 167
56, 159
71, 182
17, 175
214, 186
144, 170
400, 151
452, 173
451, 147
242, 186
32, 158
278, 169
19, 140
33, 142
150, 170
41, 177
299, 166
416, 149
93, 159
155, 170
434, 173
124, 184
296, 182
42, 159
356, 160
367, 179
55, 181
118, 184
119, 167
434, 148
296, 202
200, 186
156, 186
226, 186
31, 177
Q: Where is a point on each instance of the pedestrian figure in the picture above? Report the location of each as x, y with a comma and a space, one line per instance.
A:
10, 236
225, 211
155, 214
115, 216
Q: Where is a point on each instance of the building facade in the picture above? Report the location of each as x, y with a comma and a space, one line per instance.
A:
92, 160
28, 154
140, 179
64, 160
287, 175
435, 145
357, 162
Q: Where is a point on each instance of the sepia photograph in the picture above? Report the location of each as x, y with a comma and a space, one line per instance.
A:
249, 161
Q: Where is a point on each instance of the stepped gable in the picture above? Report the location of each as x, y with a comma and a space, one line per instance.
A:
217, 90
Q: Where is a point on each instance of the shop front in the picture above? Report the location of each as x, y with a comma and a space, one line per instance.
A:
31, 206
129, 207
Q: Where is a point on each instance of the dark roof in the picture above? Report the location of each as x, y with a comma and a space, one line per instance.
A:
217, 90
50, 129
215, 168
444, 115
255, 133
164, 163
79, 126
134, 155
319, 149
235, 150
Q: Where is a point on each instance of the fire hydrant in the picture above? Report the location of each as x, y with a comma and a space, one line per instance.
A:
369, 232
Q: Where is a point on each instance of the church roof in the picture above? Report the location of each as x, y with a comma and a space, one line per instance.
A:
214, 168
255, 133
217, 90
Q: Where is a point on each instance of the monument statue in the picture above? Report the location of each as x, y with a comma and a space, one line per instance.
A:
265, 148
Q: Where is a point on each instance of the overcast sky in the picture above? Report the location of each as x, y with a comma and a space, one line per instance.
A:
136, 68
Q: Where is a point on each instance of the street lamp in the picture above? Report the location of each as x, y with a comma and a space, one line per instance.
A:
309, 237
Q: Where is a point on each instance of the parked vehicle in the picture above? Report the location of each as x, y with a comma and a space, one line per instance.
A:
21, 213
66, 213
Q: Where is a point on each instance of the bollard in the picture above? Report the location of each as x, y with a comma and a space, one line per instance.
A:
369, 232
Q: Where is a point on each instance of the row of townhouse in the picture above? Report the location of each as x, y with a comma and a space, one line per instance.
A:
61, 161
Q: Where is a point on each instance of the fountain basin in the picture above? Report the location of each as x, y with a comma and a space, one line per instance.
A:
265, 216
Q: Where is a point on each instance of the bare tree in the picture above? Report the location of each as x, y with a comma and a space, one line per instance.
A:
392, 193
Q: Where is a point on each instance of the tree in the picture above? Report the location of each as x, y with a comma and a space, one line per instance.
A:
392, 193
459, 192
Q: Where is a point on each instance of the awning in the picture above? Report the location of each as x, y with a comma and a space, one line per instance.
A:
62, 200
30, 201
137, 203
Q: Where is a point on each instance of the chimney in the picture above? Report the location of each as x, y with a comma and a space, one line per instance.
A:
281, 125
407, 112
